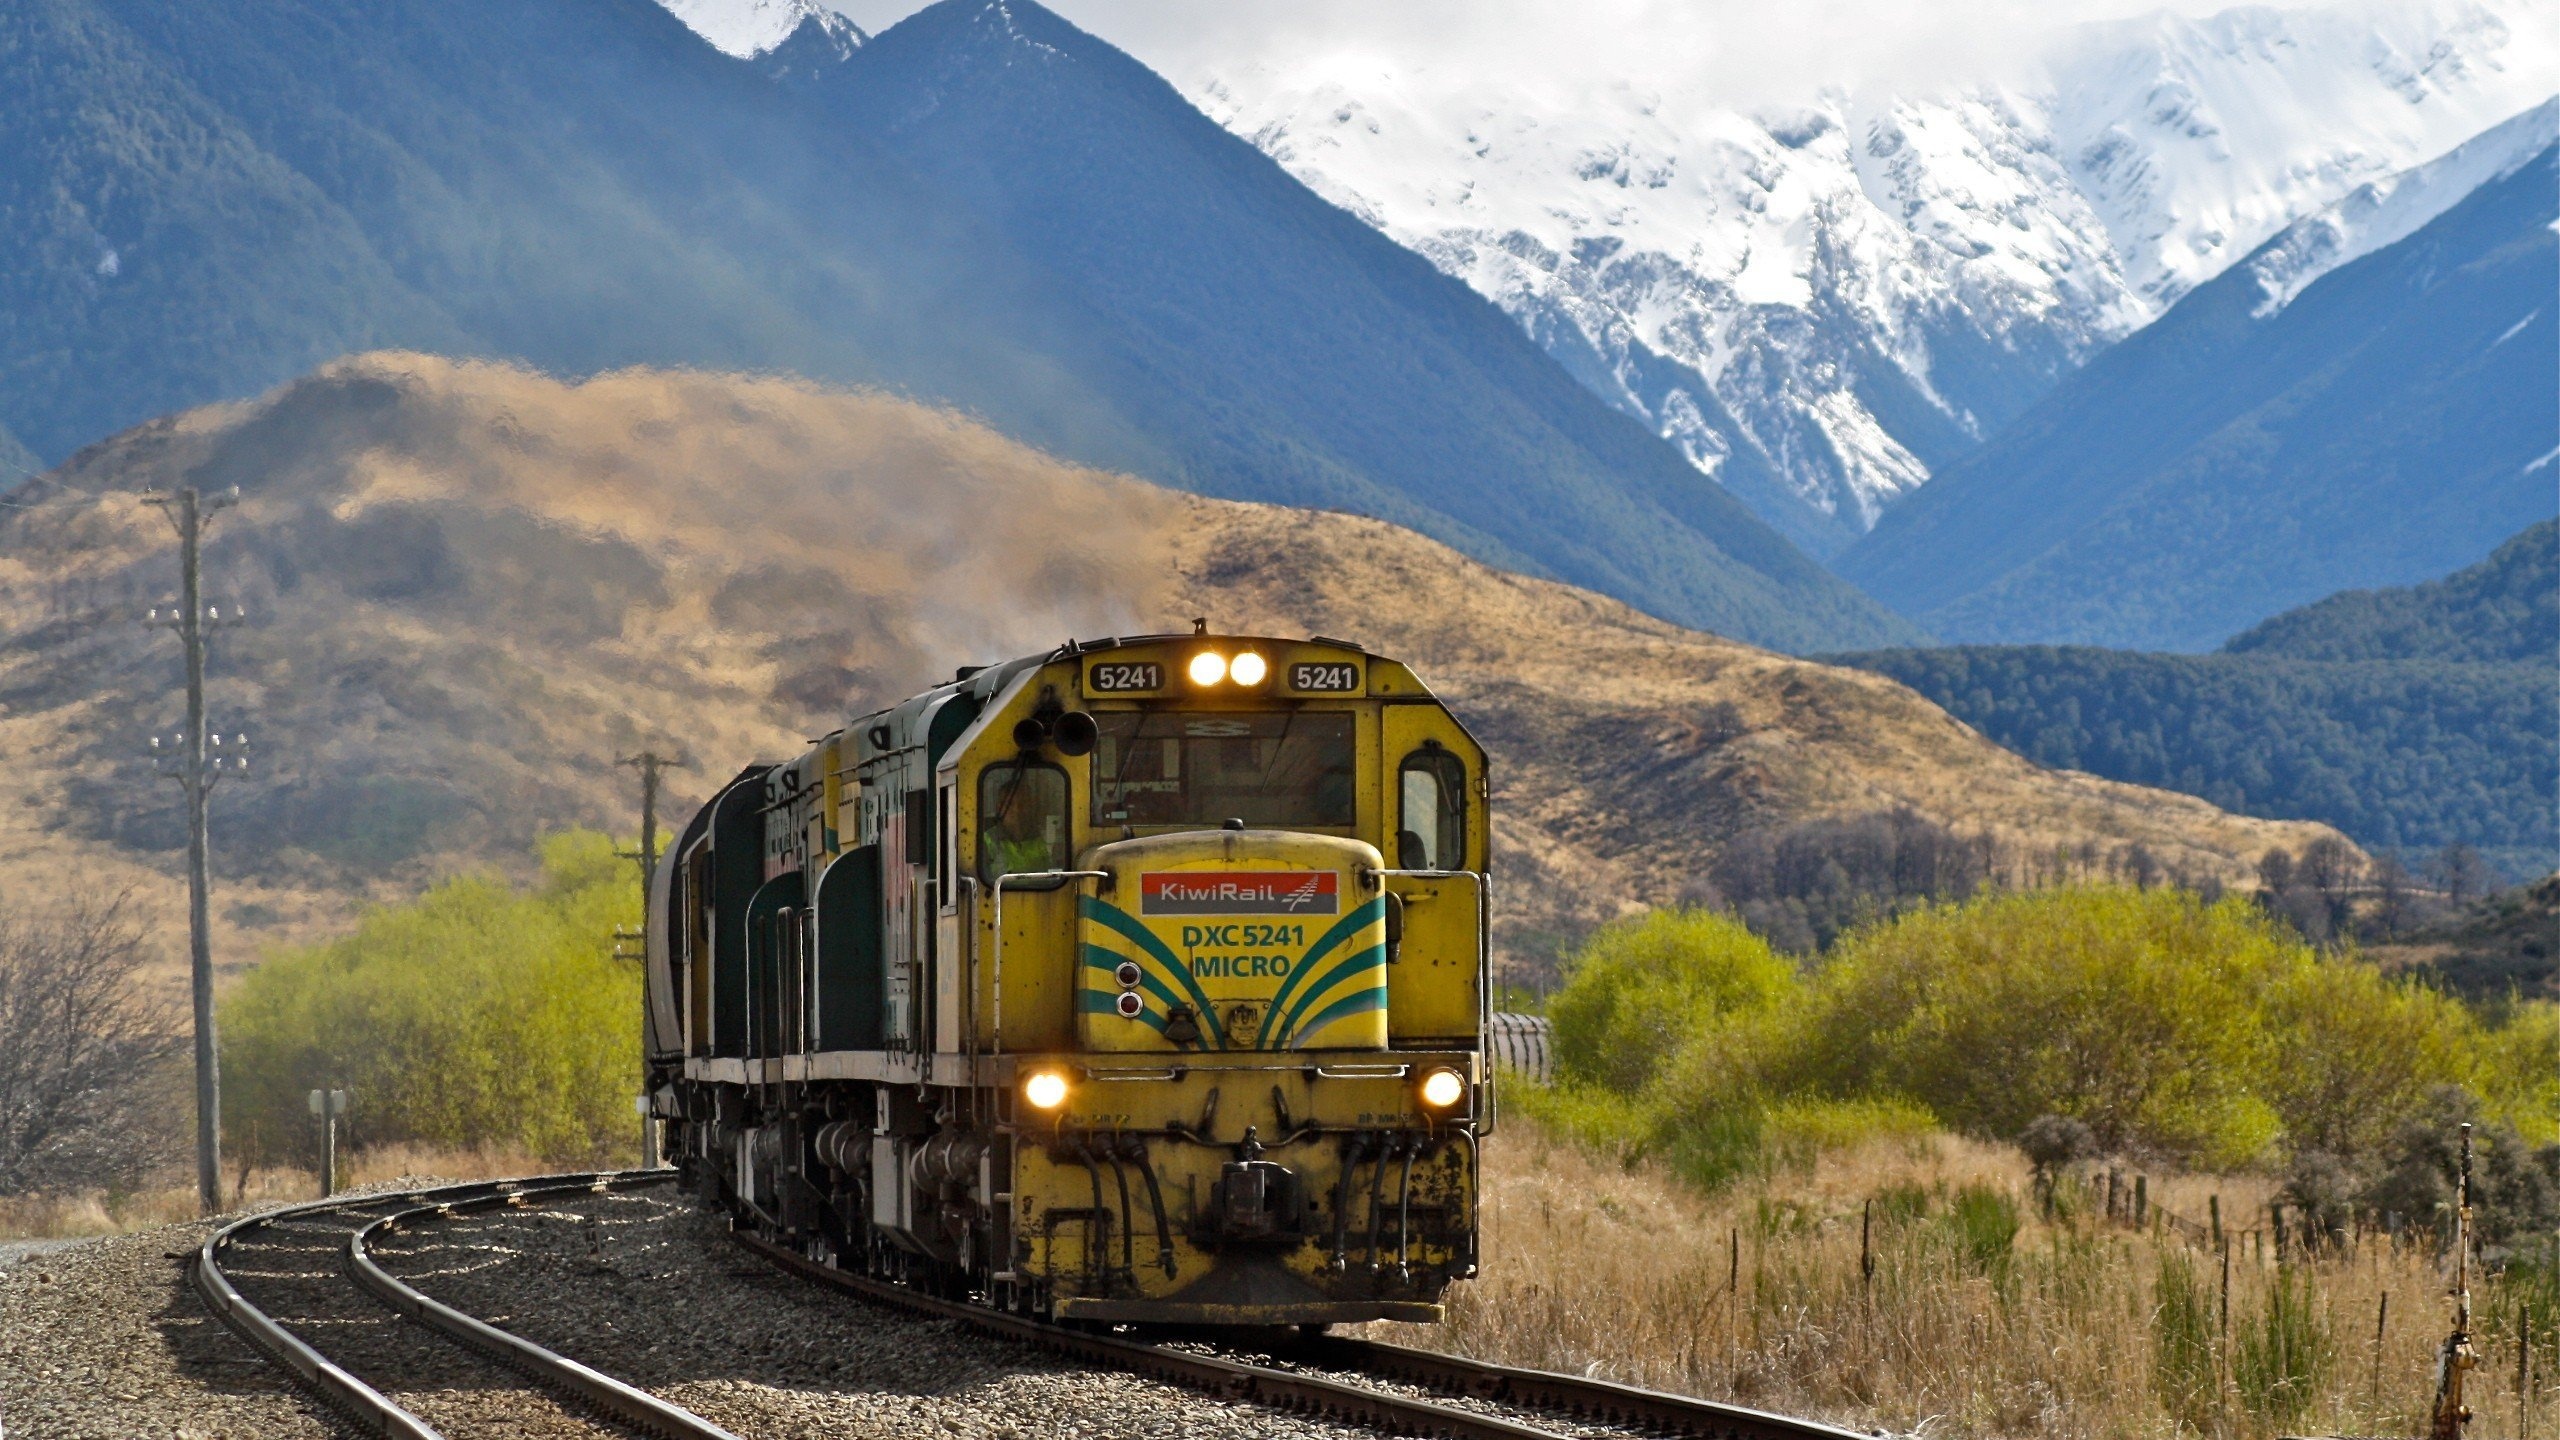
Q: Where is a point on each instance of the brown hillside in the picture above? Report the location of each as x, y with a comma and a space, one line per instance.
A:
471, 587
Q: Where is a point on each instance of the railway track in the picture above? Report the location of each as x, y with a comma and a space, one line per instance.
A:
1345, 1379
302, 1287
287, 1277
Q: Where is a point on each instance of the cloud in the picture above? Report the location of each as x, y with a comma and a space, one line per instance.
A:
1735, 51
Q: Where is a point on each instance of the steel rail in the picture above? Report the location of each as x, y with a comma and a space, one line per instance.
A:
1228, 1378
627, 1403
1602, 1400
333, 1386
342, 1391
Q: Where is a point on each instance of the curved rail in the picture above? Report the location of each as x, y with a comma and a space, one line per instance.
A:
1603, 1400
627, 1403
368, 1407
1232, 1379
1600, 1400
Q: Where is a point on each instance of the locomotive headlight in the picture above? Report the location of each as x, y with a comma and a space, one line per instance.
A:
1208, 668
1046, 1089
1442, 1089
1248, 669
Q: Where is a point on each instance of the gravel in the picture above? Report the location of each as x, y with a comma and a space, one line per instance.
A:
105, 1340
650, 1290
295, 1271
18, 1252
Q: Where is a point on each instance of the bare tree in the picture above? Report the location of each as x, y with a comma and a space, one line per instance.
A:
2461, 872
2332, 868
80, 1044
2142, 865
2391, 894
2275, 872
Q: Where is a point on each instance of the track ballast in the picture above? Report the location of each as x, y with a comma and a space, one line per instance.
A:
281, 1278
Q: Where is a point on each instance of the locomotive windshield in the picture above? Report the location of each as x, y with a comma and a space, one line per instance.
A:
1292, 768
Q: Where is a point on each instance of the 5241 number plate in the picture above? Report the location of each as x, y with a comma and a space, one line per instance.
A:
1325, 677
1119, 676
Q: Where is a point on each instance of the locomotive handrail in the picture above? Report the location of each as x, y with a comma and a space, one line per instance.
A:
995, 1038
1484, 964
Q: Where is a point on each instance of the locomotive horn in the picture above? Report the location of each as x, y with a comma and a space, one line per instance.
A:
1031, 732
1076, 733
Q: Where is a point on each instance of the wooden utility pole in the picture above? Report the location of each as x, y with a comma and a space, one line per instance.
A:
2457, 1359
650, 764
198, 762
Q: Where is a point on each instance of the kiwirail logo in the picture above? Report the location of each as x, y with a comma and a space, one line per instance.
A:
1239, 892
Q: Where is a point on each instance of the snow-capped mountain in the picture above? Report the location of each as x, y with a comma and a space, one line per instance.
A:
1820, 304
2386, 211
747, 28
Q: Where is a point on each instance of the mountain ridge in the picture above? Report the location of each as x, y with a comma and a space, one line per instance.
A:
1162, 219
246, 191
1823, 302
512, 579
2226, 463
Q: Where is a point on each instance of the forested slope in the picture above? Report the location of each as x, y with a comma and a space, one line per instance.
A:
2506, 608
2410, 718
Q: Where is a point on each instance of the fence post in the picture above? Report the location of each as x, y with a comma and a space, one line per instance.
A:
2381, 1321
2524, 1370
1867, 1251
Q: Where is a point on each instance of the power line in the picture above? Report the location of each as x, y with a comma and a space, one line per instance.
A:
199, 761
56, 484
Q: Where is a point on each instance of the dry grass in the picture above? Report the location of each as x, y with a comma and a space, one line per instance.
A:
1756, 1294
84, 1214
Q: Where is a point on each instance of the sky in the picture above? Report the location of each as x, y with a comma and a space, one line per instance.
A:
1743, 49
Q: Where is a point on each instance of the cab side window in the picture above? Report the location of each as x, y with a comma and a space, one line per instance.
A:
1022, 820
1431, 825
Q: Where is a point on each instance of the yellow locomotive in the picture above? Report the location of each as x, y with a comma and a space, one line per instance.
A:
1141, 981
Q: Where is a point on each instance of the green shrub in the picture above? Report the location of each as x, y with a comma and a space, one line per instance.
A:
476, 1016
2517, 1071
2154, 1022
2370, 1049
2182, 1327
1798, 1127
1589, 1115
2130, 1011
1982, 1224
2283, 1350
1676, 980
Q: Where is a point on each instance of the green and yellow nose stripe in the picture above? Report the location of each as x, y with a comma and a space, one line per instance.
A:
1341, 976
1162, 977
1362, 936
